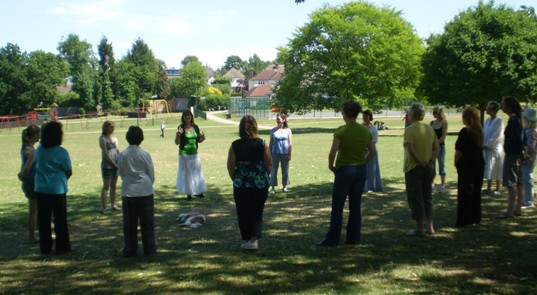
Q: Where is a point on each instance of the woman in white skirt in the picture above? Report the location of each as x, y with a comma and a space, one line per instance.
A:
492, 148
190, 180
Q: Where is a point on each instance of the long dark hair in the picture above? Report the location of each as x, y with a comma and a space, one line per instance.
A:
248, 127
284, 119
51, 134
187, 112
513, 105
470, 118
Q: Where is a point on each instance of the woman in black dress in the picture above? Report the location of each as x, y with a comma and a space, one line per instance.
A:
470, 166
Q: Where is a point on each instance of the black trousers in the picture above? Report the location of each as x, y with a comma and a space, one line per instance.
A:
48, 205
250, 204
469, 198
138, 209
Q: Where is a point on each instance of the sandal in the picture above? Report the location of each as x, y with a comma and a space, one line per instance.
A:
116, 207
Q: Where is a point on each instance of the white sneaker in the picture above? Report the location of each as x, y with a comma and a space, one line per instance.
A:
273, 191
285, 190
250, 245
442, 189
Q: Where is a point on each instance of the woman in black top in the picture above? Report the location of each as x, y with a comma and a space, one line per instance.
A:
470, 166
248, 164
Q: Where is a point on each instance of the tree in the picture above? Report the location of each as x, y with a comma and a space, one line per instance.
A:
13, 79
256, 65
484, 53
353, 51
45, 71
147, 71
234, 61
192, 81
188, 59
82, 68
106, 65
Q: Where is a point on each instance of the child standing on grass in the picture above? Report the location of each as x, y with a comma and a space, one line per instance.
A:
138, 175
30, 136
109, 152
162, 128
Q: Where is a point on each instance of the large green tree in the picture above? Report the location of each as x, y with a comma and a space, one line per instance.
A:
485, 52
352, 51
45, 71
192, 80
13, 79
106, 66
255, 65
234, 61
82, 68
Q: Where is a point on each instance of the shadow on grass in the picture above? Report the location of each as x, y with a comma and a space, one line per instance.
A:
497, 257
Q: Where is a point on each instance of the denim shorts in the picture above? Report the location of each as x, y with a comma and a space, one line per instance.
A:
109, 173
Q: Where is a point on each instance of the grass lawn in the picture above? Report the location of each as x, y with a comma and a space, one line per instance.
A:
497, 257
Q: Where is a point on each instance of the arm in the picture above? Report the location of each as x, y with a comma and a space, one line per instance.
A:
150, 168
104, 152
371, 151
267, 159
29, 152
332, 154
69, 173
444, 132
458, 155
290, 140
271, 138
178, 135
231, 161
201, 137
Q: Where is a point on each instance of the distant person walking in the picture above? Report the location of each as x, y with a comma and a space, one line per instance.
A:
190, 180
470, 166
513, 147
492, 148
30, 135
347, 160
529, 122
137, 172
281, 147
374, 181
109, 146
248, 165
421, 150
53, 169
162, 128
440, 126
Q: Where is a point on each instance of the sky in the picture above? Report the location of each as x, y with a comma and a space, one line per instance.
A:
212, 30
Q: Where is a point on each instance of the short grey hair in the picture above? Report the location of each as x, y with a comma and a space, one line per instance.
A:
416, 111
494, 105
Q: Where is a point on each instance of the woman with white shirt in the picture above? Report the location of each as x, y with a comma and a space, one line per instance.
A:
492, 148
280, 145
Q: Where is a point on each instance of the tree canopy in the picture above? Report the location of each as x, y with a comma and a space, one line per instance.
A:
353, 51
485, 52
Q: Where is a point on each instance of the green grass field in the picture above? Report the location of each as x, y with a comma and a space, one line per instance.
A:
497, 257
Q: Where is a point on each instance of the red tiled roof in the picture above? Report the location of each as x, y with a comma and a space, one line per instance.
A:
261, 91
272, 72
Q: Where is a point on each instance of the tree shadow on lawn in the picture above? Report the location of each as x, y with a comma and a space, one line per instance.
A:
498, 257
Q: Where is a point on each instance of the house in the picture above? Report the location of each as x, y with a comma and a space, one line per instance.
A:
172, 73
269, 76
236, 77
264, 90
210, 75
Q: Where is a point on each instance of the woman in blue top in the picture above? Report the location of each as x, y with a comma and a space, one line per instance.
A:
280, 145
30, 136
53, 169
190, 180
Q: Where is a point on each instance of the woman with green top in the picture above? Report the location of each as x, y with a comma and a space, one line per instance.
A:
349, 144
190, 180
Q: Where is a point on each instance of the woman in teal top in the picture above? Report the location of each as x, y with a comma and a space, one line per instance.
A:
350, 143
190, 180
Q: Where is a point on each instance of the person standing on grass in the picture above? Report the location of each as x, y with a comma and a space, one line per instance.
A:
421, 150
109, 152
281, 146
440, 127
492, 148
190, 180
349, 144
513, 147
248, 165
30, 135
135, 167
374, 181
162, 128
529, 122
470, 166
53, 169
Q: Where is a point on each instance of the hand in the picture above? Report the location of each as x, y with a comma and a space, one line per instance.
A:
20, 176
180, 130
289, 157
332, 168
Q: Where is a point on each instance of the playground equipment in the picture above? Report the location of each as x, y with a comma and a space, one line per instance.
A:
156, 106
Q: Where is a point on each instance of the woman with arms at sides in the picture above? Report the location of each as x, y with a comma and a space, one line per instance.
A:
109, 151
30, 136
374, 181
280, 145
349, 144
190, 180
53, 169
492, 148
470, 166
440, 127
529, 122
248, 165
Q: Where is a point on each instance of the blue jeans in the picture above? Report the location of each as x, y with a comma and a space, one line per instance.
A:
441, 159
348, 181
527, 182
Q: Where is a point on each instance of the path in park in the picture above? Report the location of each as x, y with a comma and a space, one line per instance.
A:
213, 117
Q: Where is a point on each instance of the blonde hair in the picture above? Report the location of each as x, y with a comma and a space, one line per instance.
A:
440, 111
